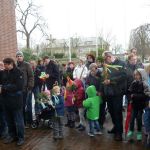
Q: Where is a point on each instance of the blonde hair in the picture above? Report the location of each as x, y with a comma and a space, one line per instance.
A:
56, 88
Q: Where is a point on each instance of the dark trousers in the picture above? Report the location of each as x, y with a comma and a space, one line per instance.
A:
3, 123
102, 113
136, 114
15, 123
115, 109
58, 126
27, 107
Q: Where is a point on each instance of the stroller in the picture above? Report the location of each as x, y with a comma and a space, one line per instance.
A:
44, 115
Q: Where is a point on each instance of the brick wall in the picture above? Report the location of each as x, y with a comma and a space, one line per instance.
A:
8, 39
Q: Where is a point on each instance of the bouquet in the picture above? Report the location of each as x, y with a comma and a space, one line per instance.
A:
43, 76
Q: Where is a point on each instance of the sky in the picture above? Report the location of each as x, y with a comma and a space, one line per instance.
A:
88, 18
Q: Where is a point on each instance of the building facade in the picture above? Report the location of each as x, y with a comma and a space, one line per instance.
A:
8, 37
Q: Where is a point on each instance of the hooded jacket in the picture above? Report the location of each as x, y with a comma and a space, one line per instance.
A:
79, 93
140, 90
92, 103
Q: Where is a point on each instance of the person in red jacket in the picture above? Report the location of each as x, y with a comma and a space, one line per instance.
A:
79, 97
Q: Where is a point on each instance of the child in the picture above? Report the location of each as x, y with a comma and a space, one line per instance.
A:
58, 105
139, 92
92, 104
69, 103
79, 97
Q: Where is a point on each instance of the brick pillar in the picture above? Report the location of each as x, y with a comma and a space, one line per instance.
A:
8, 37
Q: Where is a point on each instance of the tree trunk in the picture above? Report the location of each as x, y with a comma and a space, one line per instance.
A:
28, 41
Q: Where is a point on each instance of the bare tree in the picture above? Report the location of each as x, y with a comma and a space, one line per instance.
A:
29, 20
140, 38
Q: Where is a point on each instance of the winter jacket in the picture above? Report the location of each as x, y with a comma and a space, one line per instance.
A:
94, 80
117, 77
12, 87
140, 90
37, 72
58, 102
27, 75
130, 71
53, 71
92, 103
1, 98
80, 72
79, 93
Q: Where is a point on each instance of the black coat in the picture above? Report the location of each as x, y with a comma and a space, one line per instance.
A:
12, 87
53, 71
138, 97
118, 79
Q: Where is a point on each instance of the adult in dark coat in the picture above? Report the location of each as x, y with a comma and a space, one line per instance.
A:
3, 123
52, 72
12, 87
114, 86
28, 84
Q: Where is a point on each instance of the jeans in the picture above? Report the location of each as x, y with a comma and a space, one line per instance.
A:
93, 124
15, 123
114, 104
146, 119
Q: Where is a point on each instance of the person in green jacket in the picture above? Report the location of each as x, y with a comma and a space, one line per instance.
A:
92, 105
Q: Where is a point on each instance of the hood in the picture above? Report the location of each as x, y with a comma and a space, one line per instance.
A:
143, 74
91, 91
78, 83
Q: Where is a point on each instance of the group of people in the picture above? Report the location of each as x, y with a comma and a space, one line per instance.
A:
84, 88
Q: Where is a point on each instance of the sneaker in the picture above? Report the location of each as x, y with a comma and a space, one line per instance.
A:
8, 140
139, 136
98, 133
91, 134
130, 135
20, 142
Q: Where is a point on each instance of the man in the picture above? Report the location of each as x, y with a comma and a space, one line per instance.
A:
52, 72
27, 87
12, 86
114, 86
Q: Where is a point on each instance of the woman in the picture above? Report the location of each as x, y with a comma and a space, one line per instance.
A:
12, 87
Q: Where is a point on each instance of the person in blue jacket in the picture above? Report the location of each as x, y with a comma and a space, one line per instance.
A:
58, 105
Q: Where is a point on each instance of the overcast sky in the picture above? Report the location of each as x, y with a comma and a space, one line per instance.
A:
88, 17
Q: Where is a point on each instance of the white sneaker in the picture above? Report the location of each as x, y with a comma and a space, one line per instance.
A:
98, 133
91, 134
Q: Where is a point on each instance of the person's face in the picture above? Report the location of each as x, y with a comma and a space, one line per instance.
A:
19, 58
108, 59
134, 51
80, 62
46, 61
133, 60
89, 59
71, 66
93, 70
8, 66
137, 76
